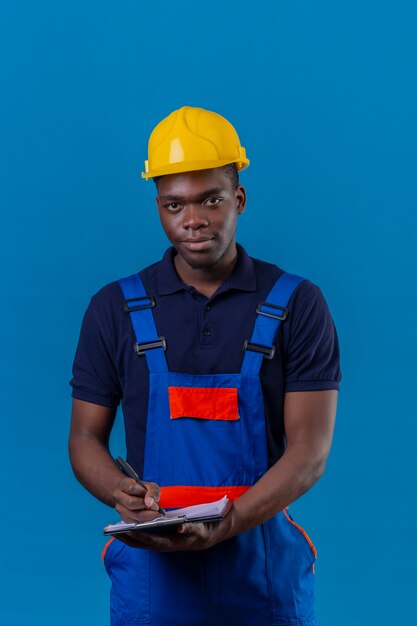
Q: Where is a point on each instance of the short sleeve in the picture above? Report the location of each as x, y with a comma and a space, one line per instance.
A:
95, 377
312, 347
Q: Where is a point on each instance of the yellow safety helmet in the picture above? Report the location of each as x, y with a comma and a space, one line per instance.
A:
192, 139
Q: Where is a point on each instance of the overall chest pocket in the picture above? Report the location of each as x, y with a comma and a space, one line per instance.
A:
218, 404
205, 429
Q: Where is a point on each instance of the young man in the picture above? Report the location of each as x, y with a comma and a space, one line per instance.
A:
227, 369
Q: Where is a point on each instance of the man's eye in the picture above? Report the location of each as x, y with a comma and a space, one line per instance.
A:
172, 206
212, 201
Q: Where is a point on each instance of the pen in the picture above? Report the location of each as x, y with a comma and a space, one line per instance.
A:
130, 472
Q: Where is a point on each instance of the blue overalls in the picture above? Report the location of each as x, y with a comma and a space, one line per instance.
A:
205, 437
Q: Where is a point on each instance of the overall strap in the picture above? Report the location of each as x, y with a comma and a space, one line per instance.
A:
138, 304
270, 313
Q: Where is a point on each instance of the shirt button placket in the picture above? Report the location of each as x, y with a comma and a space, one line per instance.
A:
207, 330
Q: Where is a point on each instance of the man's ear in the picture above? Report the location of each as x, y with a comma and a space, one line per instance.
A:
241, 199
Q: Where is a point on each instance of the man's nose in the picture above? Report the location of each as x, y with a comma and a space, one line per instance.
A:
194, 217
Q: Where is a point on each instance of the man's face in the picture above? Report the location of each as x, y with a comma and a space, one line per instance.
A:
198, 212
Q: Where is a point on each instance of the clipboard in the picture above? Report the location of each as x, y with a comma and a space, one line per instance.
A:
208, 512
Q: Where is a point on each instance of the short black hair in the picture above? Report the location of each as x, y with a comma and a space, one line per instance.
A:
230, 170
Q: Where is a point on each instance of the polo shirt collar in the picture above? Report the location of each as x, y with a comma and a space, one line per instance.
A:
242, 278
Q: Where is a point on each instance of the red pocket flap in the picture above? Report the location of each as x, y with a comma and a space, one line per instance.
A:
218, 403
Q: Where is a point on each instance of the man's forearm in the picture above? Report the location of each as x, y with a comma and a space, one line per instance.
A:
94, 467
309, 422
294, 474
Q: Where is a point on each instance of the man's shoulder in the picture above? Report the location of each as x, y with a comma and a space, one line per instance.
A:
268, 274
105, 304
111, 293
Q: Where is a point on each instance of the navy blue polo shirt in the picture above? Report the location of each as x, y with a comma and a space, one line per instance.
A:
204, 336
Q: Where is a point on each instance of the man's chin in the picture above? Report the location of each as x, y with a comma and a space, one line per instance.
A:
195, 263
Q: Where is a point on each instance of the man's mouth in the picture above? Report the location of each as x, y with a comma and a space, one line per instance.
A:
197, 244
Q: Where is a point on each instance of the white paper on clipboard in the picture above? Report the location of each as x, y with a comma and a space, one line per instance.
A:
208, 512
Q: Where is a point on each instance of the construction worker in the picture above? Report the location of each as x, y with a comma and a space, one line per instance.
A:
227, 369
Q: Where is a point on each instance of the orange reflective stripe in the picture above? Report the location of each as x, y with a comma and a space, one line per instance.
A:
103, 554
209, 403
177, 497
310, 543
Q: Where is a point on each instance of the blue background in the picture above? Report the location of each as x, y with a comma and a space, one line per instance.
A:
324, 98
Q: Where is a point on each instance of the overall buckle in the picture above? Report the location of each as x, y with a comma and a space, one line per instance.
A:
139, 307
268, 353
141, 348
281, 317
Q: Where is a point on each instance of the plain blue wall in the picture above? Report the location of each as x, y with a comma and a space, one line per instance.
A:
324, 98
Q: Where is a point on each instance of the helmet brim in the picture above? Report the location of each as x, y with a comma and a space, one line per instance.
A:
180, 168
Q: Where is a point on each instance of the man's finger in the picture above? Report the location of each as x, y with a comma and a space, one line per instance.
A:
184, 529
152, 496
129, 515
131, 487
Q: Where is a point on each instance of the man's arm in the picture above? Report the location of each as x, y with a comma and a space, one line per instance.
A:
94, 467
309, 418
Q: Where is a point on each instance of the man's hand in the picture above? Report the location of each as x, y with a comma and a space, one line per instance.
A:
184, 537
135, 503
176, 539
